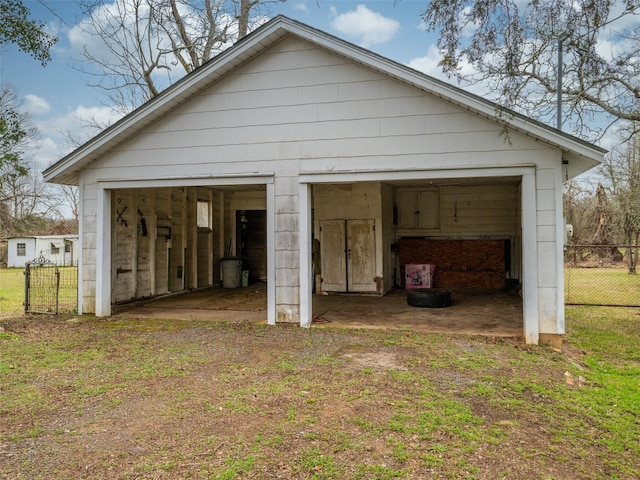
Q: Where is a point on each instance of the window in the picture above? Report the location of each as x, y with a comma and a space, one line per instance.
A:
22, 249
203, 214
54, 250
67, 248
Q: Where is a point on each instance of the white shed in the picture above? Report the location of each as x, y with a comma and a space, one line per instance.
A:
59, 249
294, 137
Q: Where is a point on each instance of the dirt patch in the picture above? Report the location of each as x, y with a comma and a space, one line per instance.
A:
122, 398
252, 298
378, 361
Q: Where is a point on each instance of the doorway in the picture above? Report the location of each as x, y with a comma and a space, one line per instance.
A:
348, 255
251, 235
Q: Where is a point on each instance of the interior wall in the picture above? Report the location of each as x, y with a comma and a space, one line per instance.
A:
191, 246
205, 241
350, 202
460, 264
462, 212
124, 246
155, 242
146, 245
178, 239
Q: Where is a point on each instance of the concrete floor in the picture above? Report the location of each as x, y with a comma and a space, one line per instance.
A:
496, 314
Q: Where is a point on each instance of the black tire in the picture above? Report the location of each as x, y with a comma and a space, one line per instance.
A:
429, 298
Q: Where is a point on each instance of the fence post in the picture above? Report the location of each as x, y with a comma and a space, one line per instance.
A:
26, 287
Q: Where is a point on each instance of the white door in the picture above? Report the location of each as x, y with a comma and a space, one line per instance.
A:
333, 256
361, 256
348, 255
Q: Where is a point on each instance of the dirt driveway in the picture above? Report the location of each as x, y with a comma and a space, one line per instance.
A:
86, 398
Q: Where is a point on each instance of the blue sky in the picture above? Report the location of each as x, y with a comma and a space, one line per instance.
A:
58, 98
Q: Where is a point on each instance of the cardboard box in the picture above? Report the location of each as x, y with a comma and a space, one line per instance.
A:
418, 275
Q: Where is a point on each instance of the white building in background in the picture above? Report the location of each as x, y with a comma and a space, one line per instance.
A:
59, 249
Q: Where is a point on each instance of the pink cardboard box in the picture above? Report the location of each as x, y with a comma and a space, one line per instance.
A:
419, 275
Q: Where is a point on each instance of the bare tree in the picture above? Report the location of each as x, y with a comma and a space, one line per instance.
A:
514, 48
580, 211
70, 200
621, 170
142, 46
27, 203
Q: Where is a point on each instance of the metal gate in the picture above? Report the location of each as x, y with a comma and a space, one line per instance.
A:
49, 288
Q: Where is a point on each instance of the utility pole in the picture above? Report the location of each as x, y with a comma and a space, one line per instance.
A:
559, 92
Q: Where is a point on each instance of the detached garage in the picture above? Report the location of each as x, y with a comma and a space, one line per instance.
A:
321, 165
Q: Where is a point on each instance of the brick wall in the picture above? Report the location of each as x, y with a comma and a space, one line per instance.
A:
460, 264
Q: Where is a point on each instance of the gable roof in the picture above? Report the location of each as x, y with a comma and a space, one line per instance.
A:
581, 154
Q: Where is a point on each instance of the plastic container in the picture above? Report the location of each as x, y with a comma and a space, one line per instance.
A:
419, 275
245, 278
231, 268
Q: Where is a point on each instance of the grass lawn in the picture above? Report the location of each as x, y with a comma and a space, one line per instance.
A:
121, 398
11, 291
601, 286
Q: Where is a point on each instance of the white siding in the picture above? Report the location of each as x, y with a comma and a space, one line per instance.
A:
339, 116
18, 261
42, 245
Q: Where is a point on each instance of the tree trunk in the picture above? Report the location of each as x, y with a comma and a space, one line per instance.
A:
632, 255
243, 17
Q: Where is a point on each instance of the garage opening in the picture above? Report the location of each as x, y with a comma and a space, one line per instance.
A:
368, 233
170, 240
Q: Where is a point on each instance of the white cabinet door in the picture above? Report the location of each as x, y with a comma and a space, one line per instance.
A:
333, 256
429, 208
418, 209
407, 209
361, 256
348, 255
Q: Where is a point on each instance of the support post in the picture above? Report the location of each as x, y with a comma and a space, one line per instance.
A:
530, 295
79, 247
103, 253
271, 254
306, 270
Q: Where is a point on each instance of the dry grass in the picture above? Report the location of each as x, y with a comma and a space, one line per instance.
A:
91, 398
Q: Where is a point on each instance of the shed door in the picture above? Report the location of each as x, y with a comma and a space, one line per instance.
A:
361, 255
348, 255
333, 256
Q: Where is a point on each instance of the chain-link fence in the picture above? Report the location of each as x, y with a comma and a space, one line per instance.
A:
600, 275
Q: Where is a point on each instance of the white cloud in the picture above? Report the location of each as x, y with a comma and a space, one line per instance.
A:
429, 64
370, 28
300, 6
35, 105
59, 135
